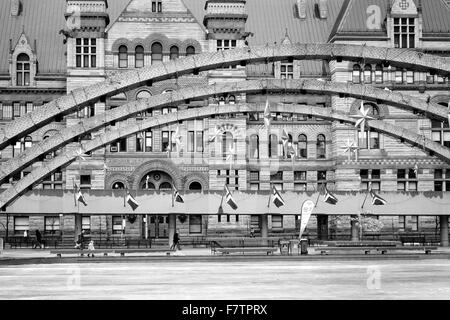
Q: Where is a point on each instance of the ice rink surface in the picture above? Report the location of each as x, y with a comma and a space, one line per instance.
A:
229, 280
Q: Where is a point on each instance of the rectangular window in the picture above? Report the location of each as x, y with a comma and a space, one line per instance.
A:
287, 70
51, 225
195, 224
404, 32
277, 222
140, 142
190, 141
254, 186
277, 176
86, 52
299, 175
117, 224
148, 141
21, 224
165, 141
85, 182
254, 175
409, 77
414, 223
7, 112
399, 77
199, 141
86, 224
401, 223
16, 109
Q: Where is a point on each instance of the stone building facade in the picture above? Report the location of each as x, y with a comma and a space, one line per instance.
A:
98, 39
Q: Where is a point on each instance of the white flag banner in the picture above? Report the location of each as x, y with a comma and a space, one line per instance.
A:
307, 209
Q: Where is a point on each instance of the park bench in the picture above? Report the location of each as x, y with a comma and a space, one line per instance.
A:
427, 249
383, 250
244, 245
244, 250
124, 251
60, 252
413, 238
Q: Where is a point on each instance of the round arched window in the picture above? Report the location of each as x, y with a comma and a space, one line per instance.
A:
118, 185
165, 186
144, 94
195, 186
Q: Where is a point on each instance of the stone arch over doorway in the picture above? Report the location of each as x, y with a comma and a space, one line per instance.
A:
166, 167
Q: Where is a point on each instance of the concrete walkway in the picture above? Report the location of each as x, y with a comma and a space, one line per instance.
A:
44, 255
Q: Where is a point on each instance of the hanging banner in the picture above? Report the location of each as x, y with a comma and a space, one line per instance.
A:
307, 209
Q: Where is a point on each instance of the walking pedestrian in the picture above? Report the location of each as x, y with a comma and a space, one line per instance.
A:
38, 240
79, 244
91, 248
176, 242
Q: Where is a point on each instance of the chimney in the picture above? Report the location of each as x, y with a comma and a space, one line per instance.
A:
323, 8
15, 8
301, 9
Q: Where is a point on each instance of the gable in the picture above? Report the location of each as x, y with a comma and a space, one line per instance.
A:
404, 7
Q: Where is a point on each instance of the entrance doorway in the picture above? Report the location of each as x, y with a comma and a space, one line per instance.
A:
158, 226
322, 227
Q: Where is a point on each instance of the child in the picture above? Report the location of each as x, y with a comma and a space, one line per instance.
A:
91, 248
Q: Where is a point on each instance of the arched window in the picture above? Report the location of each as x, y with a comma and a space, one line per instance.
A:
195, 186
139, 57
174, 52
23, 70
222, 101
118, 186
165, 186
254, 147
370, 139
321, 147
273, 146
157, 55
302, 146
227, 143
378, 73
356, 73
232, 100
123, 57
368, 73
144, 94
286, 147
28, 142
190, 51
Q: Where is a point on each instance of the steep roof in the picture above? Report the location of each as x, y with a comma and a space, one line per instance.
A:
41, 20
353, 18
269, 19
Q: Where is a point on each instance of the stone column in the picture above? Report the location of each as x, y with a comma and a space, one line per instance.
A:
172, 227
444, 231
264, 226
354, 226
78, 225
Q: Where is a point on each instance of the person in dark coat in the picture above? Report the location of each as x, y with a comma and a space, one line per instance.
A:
176, 242
80, 242
38, 240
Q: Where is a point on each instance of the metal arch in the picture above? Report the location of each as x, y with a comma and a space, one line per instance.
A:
38, 174
404, 58
128, 110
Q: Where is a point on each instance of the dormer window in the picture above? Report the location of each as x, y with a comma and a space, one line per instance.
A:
23, 70
404, 32
156, 6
